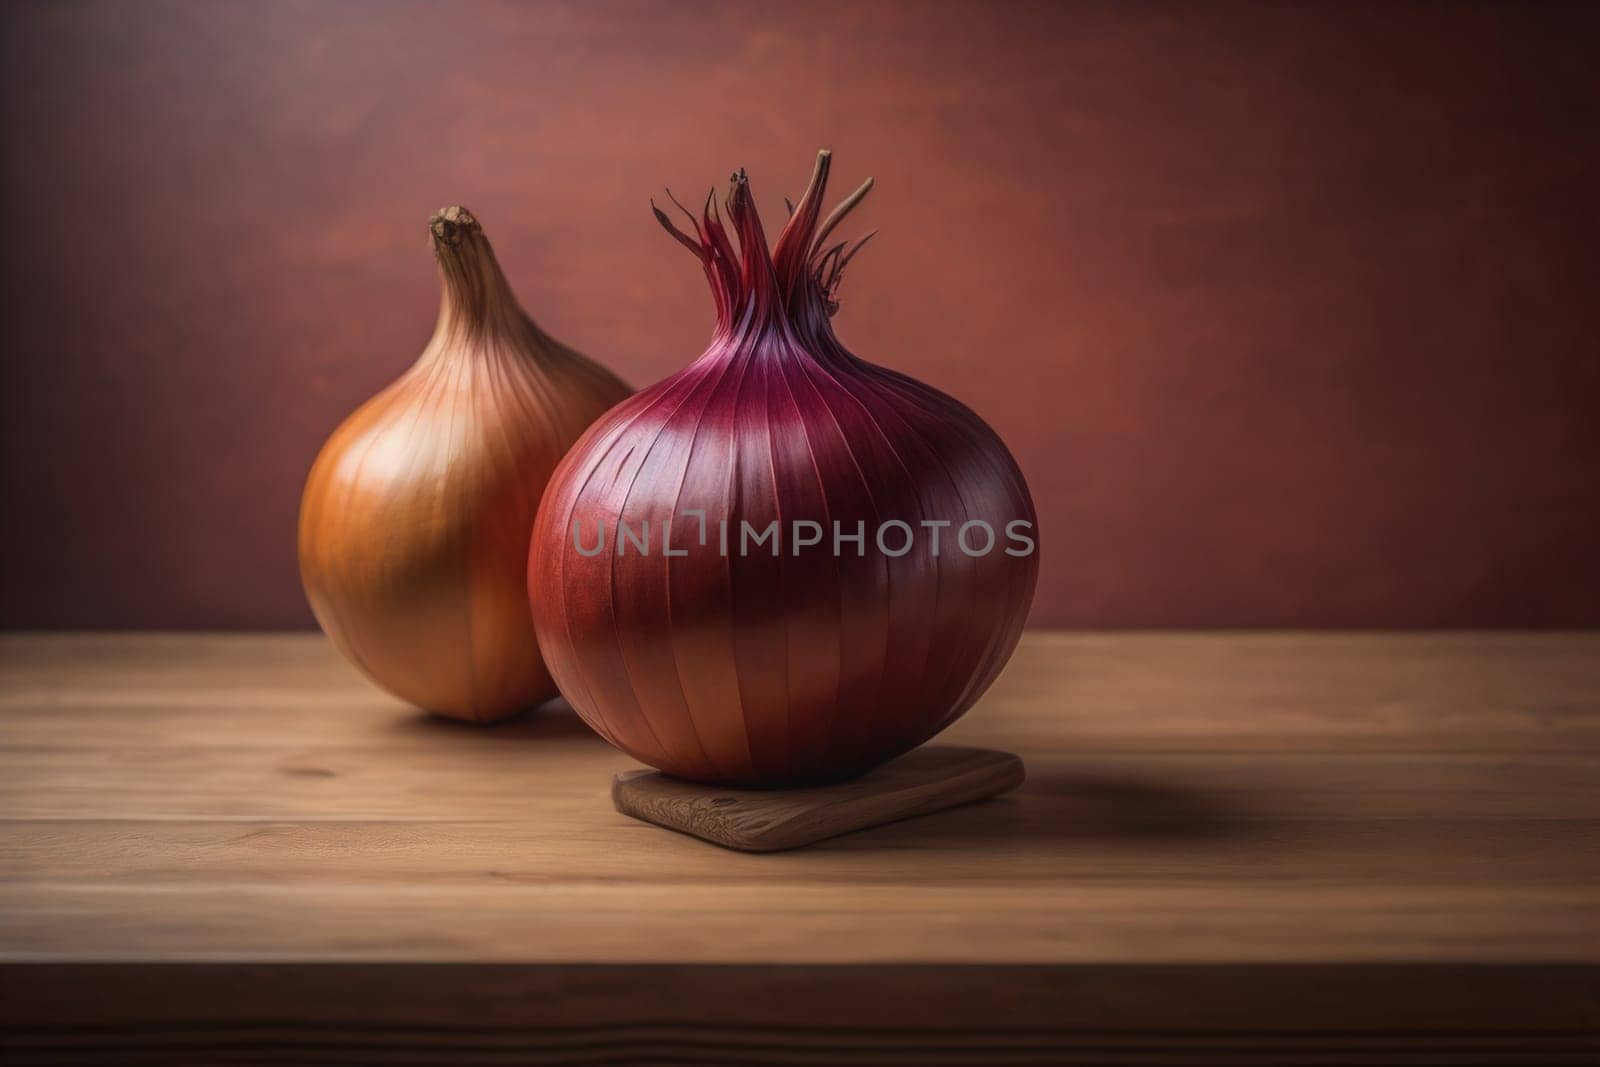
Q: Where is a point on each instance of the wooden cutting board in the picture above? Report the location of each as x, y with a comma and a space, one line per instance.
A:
926, 780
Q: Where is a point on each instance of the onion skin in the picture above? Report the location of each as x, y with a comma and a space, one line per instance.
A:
760, 671
415, 519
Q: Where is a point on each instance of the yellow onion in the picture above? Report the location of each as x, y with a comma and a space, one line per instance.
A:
416, 516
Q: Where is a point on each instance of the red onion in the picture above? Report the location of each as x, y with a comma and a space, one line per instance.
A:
669, 622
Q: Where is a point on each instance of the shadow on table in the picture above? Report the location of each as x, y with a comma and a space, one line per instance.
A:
555, 721
1066, 806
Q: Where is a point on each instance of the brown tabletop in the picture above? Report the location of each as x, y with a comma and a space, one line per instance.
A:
1230, 847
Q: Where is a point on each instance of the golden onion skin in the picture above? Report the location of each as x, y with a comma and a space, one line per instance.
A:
415, 520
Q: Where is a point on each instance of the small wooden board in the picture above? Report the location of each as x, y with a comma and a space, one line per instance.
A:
926, 780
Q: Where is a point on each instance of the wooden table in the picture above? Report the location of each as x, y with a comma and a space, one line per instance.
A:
1230, 848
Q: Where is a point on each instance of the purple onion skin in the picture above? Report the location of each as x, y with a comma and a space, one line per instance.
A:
760, 671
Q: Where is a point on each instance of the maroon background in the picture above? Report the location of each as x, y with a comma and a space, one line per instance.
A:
1288, 311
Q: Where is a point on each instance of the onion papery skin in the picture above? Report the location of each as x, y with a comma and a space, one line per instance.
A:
759, 671
416, 515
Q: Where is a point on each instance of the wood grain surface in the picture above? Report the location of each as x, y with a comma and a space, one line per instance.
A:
929, 779
1228, 844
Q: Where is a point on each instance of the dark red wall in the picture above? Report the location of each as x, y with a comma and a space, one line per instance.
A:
1289, 311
